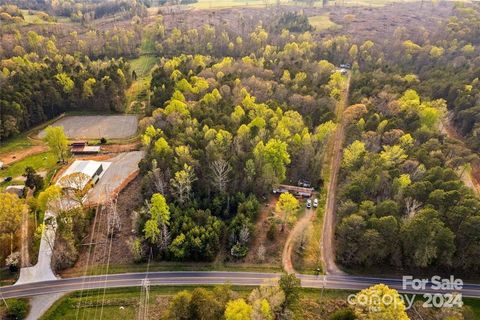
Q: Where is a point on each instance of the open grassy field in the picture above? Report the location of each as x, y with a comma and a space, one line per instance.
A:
137, 94
14, 144
40, 162
323, 22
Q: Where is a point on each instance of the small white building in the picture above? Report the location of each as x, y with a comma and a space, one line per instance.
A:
92, 169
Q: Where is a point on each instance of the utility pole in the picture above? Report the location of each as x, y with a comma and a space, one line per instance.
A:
144, 300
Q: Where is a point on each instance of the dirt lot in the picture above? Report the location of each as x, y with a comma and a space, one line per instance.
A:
129, 199
123, 168
96, 127
273, 248
14, 156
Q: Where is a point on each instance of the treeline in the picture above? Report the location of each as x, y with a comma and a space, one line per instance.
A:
34, 90
270, 301
84, 10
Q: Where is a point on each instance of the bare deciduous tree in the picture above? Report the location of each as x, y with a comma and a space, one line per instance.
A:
411, 206
220, 172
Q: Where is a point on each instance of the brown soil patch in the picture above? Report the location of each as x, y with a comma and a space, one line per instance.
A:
11, 157
97, 255
119, 148
273, 248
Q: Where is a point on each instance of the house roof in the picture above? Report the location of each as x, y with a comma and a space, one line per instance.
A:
87, 167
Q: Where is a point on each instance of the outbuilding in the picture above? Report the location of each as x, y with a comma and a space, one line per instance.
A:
92, 169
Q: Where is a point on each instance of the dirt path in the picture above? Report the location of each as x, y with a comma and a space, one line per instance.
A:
327, 246
11, 157
293, 236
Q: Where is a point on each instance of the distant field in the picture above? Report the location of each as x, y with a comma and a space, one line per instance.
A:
322, 22
207, 4
96, 127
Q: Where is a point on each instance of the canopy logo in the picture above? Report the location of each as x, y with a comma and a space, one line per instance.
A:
438, 292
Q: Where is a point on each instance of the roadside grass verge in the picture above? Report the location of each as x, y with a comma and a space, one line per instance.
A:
169, 266
123, 303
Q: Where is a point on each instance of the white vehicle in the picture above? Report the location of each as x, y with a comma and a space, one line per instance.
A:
309, 204
315, 203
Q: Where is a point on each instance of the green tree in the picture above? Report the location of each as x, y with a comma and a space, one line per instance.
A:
33, 180
204, 305
290, 285
287, 205
65, 81
426, 240
11, 211
352, 154
371, 304
238, 310
273, 158
57, 141
179, 308
155, 228
182, 183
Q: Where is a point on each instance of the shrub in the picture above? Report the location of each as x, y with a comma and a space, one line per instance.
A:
17, 309
343, 314
272, 232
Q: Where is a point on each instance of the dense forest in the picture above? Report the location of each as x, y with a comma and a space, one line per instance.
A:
224, 131
402, 201
235, 111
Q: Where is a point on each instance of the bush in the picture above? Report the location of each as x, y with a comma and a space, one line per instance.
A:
103, 140
272, 232
343, 314
17, 309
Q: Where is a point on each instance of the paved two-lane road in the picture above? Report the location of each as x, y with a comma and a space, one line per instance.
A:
203, 278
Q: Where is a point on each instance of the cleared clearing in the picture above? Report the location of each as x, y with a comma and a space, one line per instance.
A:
323, 22
96, 127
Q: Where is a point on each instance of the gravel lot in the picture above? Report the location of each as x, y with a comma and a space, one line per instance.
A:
96, 127
122, 168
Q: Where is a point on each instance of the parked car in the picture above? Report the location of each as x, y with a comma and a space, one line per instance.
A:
309, 204
7, 179
315, 202
345, 66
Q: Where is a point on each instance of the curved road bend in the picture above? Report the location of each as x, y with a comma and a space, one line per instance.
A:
204, 278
